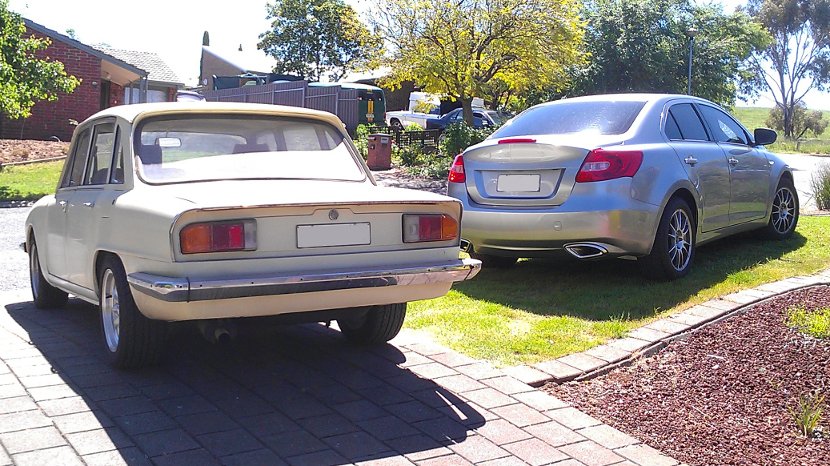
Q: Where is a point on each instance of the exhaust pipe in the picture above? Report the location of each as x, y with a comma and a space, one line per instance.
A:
465, 245
218, 331
586, 250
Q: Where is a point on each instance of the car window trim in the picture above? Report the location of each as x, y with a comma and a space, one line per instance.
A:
66, 178
699, 117
98, 124
749, 139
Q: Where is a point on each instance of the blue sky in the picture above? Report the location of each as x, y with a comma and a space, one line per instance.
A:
173, 28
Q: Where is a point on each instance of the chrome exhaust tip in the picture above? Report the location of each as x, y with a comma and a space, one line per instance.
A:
586, 250
465, 245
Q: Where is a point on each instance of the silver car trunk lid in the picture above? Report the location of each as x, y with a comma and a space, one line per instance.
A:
522, 173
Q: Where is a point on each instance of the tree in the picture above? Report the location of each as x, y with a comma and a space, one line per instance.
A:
24, 78
643, 46
803, 120
313, 37
469, 48
798, 59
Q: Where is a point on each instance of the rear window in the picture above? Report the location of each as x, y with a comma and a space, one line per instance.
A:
566, 117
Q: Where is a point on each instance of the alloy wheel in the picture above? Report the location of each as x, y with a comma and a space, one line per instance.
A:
680, 240
34, 271
783, 210
110, 310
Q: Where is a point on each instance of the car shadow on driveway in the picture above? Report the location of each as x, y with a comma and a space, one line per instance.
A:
606, 289
276, 395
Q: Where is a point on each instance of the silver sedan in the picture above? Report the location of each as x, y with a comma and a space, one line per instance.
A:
640, 176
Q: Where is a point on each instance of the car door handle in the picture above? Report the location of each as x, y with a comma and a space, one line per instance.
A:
62, 203
89, 204
733, 161
690, 160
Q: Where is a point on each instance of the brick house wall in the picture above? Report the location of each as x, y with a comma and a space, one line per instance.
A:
52, 118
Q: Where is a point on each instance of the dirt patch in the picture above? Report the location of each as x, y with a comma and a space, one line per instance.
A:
12, 150
722, 395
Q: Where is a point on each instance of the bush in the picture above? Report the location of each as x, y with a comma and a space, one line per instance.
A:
459, 136
411, 156
434, 167
820, 184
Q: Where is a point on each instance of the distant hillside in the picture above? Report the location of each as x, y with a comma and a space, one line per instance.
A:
754, 117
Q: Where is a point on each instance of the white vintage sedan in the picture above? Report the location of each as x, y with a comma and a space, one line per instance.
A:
209, 212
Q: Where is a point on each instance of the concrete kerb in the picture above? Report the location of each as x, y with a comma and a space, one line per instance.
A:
655, 336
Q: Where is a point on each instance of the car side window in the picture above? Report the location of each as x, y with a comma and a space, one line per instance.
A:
100, 159
688, 122
672, 130
75, 171
723, 127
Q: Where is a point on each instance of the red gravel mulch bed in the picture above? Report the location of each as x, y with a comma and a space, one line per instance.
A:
13, 150
722, 395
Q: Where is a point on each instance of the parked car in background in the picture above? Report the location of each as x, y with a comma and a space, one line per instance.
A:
482, 117
210, 211
639, 176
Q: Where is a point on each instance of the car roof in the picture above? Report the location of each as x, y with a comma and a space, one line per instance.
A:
628, 97
132, 112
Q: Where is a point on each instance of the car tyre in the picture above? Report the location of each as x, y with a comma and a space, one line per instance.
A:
784, 214
673, 251
44, 295
496, 262
396, 125
131, 340
379, 325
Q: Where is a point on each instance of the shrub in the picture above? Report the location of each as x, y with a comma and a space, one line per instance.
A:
815, 323
807, 413
361, 142
459, 136
413, 127
411, 156
434, 167
820, 184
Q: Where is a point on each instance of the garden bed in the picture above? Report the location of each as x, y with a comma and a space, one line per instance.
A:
13, 150
725, 394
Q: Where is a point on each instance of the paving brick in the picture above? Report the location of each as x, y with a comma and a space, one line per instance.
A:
23, 420
644, 455
16, 404
648, 334
527, 374
554, 434
384, 395
294, 443
741, 298
535, 452
502, 432
759, 294
608, 353
418, 447
53, 392
413, 359
437, 397
122, 457
96, 441
453, 359
328, 425
583, 361
12, 390
720, 304
165, 442
63, 456
387, 461
459, 383
303, 407
469, 414
360, 410
318, 458
443, 429
143, 423
559, 370
451, 460
80, 422
191, 404
591, 453
489, 398
200, 457
63, 406
31, 439
37, 381
206, 423
24, 370
356, 445
268, 424
607, 436
229, 442
521, 415
706, 312
572, 418
261, 456
629, 344
508, 385
427, 348
386, 428
413, 411
540, 400
166, 390
7, 379
476, 449
5, 459
776, 287
668, 326
688, 318
110, 392
479, 370
432, 370
507, 461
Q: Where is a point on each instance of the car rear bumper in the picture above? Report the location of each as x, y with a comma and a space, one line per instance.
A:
172, 289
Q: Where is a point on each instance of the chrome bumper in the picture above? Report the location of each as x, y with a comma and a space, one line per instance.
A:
177, 290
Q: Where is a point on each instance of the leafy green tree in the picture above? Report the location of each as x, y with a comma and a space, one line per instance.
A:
643, 46
476, 48
24, 78
803, 120
798, 59
313, 37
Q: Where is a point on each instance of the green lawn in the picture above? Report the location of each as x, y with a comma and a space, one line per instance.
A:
29, 182
542, 309
755, 117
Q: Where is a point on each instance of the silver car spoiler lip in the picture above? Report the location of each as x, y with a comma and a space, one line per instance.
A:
176, 289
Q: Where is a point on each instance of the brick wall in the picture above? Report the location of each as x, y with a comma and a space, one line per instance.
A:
52, 118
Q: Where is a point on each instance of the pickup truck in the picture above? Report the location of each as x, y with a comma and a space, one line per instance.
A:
481, 118
400, 119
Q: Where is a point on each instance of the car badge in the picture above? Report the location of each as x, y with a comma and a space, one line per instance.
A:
333, 214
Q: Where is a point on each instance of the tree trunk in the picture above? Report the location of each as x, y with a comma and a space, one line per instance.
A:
787, 114
467, 106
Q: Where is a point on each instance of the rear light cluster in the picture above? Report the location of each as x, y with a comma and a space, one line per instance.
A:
430, 227
457, 174
237, 235
602, 165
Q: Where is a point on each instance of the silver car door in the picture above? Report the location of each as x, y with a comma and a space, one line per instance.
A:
704, 162
749, 167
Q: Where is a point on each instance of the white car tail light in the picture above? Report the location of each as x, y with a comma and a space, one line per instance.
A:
431, 227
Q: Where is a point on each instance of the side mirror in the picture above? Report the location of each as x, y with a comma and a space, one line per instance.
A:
764, 136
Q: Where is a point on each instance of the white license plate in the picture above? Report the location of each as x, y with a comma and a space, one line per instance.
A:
518, 183
338, 234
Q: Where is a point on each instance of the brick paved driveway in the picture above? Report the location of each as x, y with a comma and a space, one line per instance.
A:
278, 395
